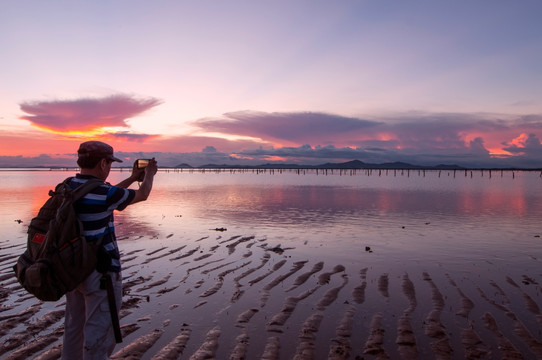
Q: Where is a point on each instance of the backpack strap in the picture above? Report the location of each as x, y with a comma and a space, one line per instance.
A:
84, 188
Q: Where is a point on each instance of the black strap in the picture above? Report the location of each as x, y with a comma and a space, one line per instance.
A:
107, 283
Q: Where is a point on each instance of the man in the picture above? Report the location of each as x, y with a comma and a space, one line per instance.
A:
88, 332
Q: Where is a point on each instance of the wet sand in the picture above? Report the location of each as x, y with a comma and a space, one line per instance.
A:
246, 297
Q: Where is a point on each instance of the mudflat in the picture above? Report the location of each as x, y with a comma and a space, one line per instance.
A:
249, 297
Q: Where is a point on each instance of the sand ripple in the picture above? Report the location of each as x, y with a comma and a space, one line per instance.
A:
239, 298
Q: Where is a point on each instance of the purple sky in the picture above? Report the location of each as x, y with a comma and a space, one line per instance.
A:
249, 82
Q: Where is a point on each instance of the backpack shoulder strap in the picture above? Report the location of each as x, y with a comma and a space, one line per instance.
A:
85, 188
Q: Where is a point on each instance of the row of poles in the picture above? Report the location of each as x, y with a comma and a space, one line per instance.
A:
352, 172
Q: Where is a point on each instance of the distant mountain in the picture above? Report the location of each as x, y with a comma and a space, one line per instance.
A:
184, 166
354, 164
357, 164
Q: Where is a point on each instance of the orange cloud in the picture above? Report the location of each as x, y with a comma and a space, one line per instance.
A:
85, 116
275, 158
519, 141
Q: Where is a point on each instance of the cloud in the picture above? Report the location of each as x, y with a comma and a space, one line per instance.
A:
309, 155
125, 135
209, 149
475, 157
406, 133
44, 160
198, 158
477, 146
86, 114
291, 127
470, 140
475, 139
525, 144
192, 143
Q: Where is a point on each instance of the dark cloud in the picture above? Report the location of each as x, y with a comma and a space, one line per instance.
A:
87, 113
204, 157
477, 146
317, 155
416, 138
527, 145
209, 149
293, 127
306, 152
531, 121
470, 140
464, 136
427, 132
36, 161
124, 135
475, 157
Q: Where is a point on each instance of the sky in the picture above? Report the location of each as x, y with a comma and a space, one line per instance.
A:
253, 82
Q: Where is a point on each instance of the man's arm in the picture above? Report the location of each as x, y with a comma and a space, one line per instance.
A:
146, 186
125, 184
137, 175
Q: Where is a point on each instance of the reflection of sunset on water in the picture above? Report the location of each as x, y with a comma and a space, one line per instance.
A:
25, 203
264, 200
264, 195
513, 201
192, 202
39, 195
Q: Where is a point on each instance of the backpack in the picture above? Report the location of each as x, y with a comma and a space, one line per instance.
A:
57, 257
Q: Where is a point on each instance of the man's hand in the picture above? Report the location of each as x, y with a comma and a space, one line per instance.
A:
146, 186
145, 174
151, 169
137, 173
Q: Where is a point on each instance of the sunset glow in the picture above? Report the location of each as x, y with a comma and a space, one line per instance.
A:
276, 159
520, 141
245, 83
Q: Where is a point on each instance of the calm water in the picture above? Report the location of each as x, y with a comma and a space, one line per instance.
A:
482, 231
433, 217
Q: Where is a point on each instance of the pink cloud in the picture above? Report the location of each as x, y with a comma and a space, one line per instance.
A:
420, 138
87, 113
525, 144
410, 132
290, 128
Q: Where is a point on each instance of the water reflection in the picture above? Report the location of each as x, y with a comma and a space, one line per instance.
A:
291, 204
323, 203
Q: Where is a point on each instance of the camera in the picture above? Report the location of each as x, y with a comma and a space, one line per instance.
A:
142, 163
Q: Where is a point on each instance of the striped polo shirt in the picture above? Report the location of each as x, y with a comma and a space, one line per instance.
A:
95, 210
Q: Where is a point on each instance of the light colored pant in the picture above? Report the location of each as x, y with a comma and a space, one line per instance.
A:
88, 332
